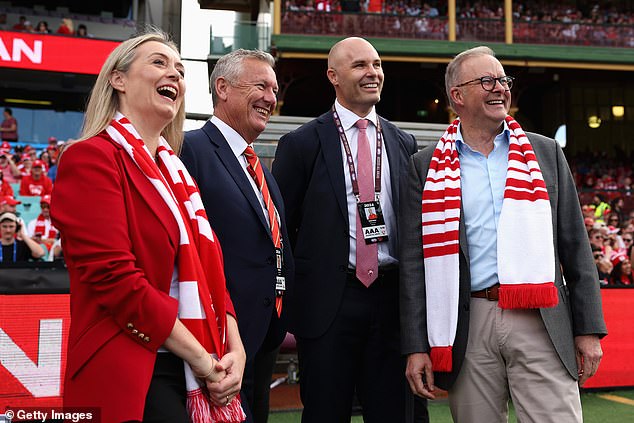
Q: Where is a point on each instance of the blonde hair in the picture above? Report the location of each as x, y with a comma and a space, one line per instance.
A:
68, 22
104, 101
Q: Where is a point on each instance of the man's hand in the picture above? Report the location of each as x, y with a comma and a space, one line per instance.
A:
589, 353
420, 375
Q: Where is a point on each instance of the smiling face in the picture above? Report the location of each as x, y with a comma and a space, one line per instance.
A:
246, 104
354, 69
152, 90
475, 105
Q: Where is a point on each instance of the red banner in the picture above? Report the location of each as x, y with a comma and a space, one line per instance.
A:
617, 367
53, 53
33, 339
34, 336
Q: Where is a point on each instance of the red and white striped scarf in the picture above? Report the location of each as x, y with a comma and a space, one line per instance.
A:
525, 250
40, 227
201, 280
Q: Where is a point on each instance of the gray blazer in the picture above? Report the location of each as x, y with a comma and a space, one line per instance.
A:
579, 311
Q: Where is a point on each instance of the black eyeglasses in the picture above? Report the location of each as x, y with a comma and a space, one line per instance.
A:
488, 82
627, 239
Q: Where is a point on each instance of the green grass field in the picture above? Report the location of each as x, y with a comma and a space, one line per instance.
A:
598, 407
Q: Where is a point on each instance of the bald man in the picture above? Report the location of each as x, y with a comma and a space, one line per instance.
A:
344, 309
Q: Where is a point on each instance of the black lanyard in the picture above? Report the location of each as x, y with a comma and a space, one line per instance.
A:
350, 160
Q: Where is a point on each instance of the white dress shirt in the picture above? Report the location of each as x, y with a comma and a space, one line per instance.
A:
387, 250
238, 145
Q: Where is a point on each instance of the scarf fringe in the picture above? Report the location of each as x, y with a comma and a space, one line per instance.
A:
198, 407
525, 296
201, 411
441, 359
231, 413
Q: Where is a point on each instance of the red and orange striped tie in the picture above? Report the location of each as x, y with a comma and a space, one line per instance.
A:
255, 170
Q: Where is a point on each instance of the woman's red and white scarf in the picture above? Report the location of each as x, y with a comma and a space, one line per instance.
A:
201, 280
525, 249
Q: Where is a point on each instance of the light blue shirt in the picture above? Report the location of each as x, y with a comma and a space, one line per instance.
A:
482, 181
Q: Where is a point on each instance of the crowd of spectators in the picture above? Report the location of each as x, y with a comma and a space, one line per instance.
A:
611, 244
31, 173
528, 11
606, 193
598, 171
600, 23
66, 27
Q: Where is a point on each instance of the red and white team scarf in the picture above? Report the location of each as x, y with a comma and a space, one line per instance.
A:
525, 250
40, 227
201, 280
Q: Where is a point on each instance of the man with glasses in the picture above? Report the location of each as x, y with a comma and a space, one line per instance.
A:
489, 221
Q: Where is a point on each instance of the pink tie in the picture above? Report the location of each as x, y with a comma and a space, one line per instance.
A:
367, 261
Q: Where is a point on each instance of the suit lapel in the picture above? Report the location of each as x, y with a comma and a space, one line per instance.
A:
390, 139
151, 196
229, 160
331, 147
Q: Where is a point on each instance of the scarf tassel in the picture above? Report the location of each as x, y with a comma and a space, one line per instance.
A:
441, 358
201, 411
523, 296
231, 413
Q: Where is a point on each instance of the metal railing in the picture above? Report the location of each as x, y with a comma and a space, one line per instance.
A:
420, 27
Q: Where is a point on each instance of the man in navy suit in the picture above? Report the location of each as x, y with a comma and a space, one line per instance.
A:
258, 271
345, 316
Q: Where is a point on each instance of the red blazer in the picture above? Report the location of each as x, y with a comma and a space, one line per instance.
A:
120, 241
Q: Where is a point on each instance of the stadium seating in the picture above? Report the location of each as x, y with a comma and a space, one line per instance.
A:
29, 209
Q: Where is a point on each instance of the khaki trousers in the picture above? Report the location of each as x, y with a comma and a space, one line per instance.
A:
509, 352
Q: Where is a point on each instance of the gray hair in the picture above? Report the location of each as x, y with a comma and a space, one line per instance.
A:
455, 66
229, 67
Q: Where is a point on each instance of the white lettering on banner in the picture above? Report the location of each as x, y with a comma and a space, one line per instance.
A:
19, 48
44, 378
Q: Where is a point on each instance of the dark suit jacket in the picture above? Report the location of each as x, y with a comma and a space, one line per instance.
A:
309, 169
237, 218
579, 311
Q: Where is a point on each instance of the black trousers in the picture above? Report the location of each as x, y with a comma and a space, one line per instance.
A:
359, 353
166, 399
258, 372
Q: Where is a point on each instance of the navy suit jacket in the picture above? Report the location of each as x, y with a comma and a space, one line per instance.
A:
310, 171
237, 218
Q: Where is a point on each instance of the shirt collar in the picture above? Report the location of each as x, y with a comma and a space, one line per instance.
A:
349, 118
464, 148
235, 140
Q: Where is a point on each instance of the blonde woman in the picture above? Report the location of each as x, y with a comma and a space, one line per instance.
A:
153, 337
